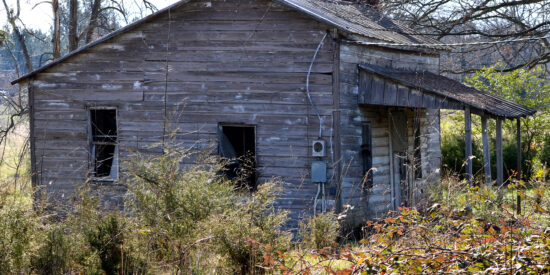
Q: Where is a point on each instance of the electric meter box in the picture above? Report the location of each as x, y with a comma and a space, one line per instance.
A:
318, 148
318, 171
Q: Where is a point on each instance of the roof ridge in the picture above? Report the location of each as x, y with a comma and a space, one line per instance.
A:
353, 20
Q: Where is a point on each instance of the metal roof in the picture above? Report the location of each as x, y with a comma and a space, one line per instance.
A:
344, 15
360, 19
452, 89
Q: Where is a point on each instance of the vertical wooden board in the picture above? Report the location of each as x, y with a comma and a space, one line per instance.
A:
428, 101
377, 90
390, 94
402, 96
486, 151
468, 143
518, 147
365, 87
415, 98
498, 145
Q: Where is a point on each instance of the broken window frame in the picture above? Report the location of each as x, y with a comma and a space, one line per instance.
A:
254, 180
93, 144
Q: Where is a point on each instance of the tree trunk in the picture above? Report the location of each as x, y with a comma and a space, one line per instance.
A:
96, 6
73, 24
12, 18
56, 35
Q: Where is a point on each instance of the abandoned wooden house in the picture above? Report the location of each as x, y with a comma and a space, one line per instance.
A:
328, 95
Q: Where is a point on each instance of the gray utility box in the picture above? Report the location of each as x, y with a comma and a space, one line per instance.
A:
318, 171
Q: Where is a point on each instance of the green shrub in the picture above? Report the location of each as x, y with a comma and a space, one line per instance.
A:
251, 228
17, 224
453, 154
193, 219
53, 257
320, 231
106, 238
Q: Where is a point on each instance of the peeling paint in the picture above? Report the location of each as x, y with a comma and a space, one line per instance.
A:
58, 104
111, 87
41, 84
269, 139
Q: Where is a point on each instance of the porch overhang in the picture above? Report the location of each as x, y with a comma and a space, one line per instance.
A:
423, 89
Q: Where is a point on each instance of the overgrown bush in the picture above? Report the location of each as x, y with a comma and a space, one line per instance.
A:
320, 231
54, 255
17, 224
453, 154
194, 219
454, 238
107, 239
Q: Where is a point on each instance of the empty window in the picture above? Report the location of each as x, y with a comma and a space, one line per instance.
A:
104, 148
238, 146
366, 154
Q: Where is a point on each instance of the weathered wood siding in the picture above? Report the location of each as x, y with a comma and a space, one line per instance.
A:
228, 62
378, 200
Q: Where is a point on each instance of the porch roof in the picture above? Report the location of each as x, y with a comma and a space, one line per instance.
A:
446, 93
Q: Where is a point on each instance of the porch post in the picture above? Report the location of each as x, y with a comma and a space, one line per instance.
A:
518, 137
500, 178
486, 151
468, 144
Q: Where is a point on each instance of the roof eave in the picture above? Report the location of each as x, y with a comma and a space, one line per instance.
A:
103, 39
528, 111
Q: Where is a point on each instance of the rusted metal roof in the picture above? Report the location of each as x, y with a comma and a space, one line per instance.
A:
344, 15
448, 88
360, 19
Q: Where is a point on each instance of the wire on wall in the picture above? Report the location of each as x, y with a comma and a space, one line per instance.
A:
307, 85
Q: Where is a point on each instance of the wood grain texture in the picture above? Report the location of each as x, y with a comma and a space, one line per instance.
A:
227, 63
241, 62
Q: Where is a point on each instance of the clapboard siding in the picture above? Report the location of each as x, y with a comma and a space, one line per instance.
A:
237, 62
207, 62
377, 201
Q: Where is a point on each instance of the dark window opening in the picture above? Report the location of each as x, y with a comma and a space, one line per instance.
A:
238, 147
366, 154
104, 149
417, 147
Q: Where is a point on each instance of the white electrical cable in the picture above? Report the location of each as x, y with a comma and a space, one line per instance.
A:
315, 201
307, 85
323, 198
320, 123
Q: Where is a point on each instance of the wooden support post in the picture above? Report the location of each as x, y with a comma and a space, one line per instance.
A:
500, 168
468, 144
486, 151
518, 137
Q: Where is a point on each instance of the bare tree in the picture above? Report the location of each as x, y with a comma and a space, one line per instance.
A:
73, 25
56, 35
515, 32
13, 17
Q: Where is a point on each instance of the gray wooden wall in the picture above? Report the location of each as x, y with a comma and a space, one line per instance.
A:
378, 200
228, 62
